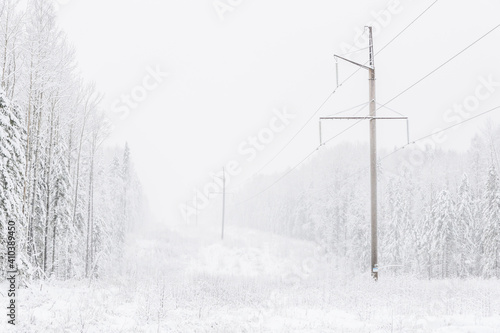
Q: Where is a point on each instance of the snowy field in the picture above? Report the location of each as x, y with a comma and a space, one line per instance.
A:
189, 281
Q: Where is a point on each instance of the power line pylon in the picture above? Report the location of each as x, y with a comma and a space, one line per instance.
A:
373, 148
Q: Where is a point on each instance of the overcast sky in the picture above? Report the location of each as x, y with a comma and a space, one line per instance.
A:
232, 67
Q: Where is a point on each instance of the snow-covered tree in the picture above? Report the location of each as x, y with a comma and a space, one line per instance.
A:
466, 232
491, 225
12, 136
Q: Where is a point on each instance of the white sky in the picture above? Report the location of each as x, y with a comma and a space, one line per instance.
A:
227, 76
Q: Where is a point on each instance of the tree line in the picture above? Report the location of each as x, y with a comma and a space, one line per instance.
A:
72, 198
439, 216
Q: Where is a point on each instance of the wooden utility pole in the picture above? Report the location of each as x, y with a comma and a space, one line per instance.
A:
223, 178
196, 207
373, 146
223, 199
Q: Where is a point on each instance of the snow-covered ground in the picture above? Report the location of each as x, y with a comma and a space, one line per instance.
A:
189, 281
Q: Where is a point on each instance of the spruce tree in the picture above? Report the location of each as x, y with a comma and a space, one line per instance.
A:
12, 136
491, 224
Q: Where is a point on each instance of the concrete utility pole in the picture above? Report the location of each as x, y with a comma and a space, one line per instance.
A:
373, 159
373, 147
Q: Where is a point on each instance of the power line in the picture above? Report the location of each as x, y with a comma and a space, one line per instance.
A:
382, 106
355, 51
440, 66
303, 160
296, 134
362, 170
394, 38
388, 108
440, 131
277, 180
342, 132
409, 25
363, 105
333, 92
296, 165
302, 128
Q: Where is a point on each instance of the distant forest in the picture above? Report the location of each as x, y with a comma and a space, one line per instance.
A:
439, 214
